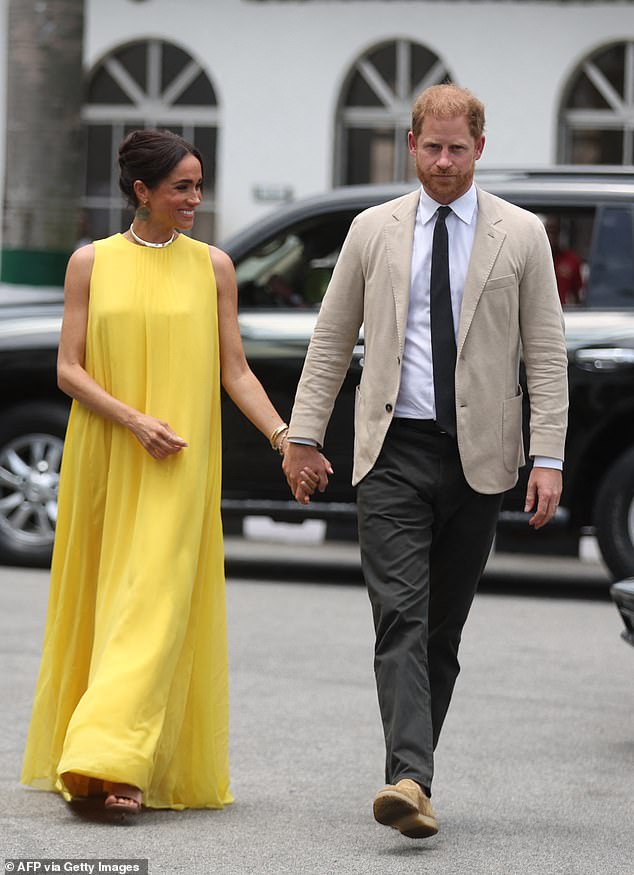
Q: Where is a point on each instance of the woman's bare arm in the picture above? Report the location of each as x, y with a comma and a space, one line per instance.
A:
239, 381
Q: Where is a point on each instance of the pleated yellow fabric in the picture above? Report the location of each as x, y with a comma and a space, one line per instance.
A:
133, 683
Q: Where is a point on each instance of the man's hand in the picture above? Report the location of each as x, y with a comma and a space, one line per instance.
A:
306, 470
542, 495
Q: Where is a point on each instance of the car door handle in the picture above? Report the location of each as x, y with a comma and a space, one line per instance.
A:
605, 359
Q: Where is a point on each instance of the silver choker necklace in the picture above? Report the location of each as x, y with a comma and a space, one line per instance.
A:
153, 245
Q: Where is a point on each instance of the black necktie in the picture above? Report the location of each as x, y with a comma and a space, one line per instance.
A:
443, 339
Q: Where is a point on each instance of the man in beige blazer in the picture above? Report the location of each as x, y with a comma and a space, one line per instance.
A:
438, 419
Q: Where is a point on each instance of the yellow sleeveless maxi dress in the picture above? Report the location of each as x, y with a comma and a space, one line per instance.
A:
133, 683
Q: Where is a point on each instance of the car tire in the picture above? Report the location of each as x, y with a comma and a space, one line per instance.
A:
614, 516
31, 442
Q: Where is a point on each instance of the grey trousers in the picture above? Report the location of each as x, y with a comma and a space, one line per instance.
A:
425, 536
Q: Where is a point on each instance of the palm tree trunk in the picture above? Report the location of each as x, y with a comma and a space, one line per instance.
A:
44, 153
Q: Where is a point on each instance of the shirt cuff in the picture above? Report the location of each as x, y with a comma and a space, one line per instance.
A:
306, 442
548, 462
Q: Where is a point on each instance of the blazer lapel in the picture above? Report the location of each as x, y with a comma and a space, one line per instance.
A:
487, 242
399, 237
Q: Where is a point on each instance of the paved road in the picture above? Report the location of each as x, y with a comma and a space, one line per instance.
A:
534, 771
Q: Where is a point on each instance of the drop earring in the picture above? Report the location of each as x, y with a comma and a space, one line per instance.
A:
143, 213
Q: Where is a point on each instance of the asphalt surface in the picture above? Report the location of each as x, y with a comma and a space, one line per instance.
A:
534, 771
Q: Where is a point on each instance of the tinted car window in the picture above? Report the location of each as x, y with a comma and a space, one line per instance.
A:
292, 269
611, 280
570, 234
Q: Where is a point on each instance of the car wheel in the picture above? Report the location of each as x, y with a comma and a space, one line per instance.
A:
31, 442
614, 516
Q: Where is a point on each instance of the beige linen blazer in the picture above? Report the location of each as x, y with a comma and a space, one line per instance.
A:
510, 306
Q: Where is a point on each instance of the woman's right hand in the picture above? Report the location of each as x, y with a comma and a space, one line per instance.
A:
156, 436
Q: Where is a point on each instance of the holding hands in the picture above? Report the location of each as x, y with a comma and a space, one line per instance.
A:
306, 470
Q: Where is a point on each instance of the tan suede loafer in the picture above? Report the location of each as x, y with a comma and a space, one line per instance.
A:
405, 807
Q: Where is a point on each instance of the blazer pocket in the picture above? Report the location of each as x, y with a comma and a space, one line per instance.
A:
500, 282
512, 448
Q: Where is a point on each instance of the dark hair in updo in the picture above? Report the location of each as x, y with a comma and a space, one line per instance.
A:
150, 155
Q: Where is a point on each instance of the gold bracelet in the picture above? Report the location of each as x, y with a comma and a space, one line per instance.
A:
275, 434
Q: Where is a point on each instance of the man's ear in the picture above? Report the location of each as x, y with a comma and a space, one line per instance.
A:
479, 147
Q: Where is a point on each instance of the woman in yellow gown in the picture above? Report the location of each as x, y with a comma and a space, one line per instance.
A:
132, 699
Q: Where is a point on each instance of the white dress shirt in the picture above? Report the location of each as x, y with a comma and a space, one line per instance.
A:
416, 394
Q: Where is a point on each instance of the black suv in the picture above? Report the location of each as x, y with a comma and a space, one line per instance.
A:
283, 264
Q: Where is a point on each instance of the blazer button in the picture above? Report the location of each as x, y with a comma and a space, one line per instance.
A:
388, 407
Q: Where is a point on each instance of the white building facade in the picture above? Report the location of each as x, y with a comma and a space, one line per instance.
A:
287, 98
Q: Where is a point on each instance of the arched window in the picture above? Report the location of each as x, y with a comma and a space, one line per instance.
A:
145, 84
597, 115
375, 108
